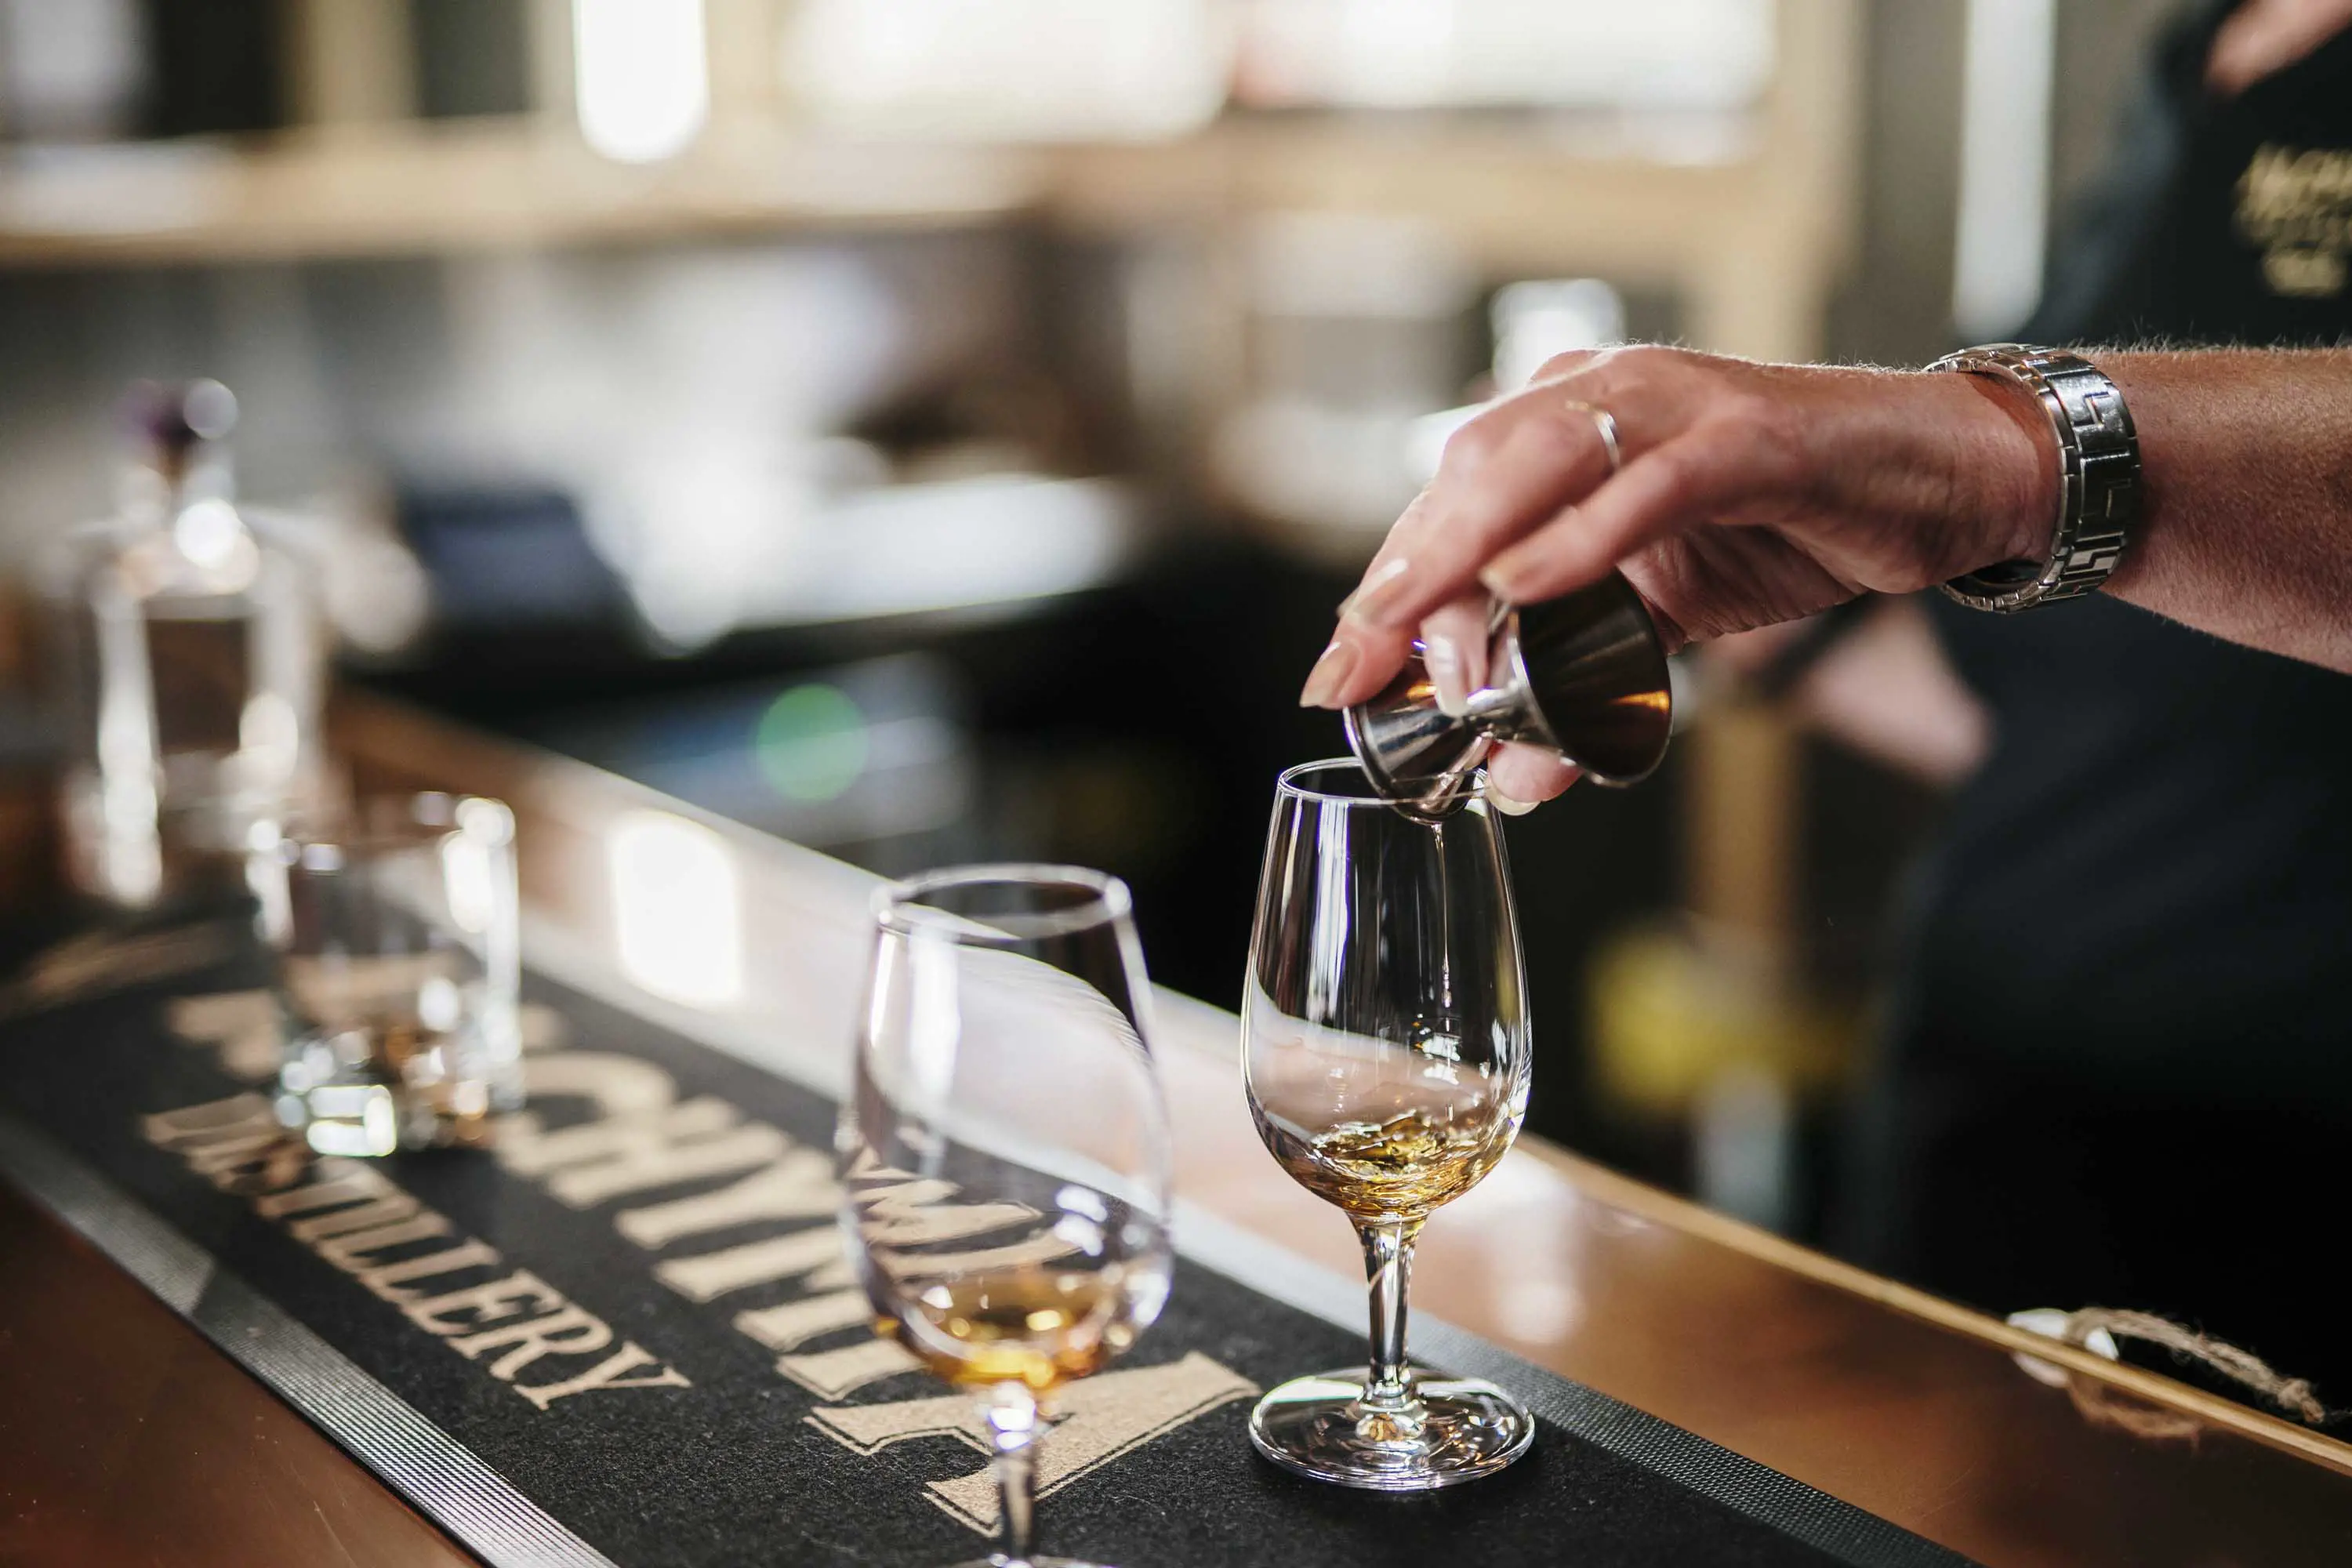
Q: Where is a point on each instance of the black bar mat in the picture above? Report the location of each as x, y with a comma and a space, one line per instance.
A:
629, 1335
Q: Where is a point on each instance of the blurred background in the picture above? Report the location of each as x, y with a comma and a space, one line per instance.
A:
940, 429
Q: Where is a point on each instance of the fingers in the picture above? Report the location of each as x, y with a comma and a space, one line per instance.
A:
1673, 487
1504, 473
1360, 662
1706, 583
1524, 502
1453, 643
1362, 659
1519, 777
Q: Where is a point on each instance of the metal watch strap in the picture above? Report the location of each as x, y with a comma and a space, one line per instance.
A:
2098, 474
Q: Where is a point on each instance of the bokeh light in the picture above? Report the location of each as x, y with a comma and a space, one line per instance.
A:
812, 742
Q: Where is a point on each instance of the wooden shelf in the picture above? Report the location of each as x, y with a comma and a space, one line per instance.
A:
457, 186
1510, 193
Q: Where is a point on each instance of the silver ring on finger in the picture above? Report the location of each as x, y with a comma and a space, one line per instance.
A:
1606, 423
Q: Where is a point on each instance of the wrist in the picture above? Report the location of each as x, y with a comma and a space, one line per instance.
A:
2006, 497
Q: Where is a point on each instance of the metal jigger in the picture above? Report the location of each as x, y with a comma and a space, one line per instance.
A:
1583, 674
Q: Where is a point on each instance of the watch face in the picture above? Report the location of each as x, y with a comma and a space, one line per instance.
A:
2003, 576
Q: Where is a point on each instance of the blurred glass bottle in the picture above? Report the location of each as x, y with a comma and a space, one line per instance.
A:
188, 669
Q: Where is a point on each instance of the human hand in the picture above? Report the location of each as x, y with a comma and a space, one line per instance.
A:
1751, 494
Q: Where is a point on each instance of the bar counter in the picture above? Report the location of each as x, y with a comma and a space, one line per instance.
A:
126, 1437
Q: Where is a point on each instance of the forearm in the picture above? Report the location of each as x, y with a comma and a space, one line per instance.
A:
2246, 526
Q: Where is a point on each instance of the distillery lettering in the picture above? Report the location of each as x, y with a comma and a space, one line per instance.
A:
351, 1215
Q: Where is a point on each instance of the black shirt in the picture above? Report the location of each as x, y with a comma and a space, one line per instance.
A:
2150, 879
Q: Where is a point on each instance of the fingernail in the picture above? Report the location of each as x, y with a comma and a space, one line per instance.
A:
1505, 803
1378, 595
1442, 655
1500, 577
1330, 673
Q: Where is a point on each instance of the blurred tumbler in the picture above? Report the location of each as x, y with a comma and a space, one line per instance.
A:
399, 963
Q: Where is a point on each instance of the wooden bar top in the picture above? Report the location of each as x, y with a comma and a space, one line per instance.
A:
125, 1438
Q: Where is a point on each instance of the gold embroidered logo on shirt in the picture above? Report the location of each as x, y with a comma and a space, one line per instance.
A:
2296, 204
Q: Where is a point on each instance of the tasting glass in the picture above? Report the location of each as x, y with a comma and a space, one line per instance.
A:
1386, 1044
1004, 1151
398, 959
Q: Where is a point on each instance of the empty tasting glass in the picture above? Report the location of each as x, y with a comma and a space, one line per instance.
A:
1004, 1149
1385, 1035
399, 962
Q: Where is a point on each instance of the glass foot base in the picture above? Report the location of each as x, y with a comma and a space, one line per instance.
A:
1464, 1428
998, 1560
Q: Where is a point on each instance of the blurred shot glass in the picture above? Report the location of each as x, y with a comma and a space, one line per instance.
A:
398, 961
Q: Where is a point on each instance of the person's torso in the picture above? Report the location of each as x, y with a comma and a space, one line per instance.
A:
2155, 861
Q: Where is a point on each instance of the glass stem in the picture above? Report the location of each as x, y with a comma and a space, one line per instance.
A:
1388, 1265
1012, 1413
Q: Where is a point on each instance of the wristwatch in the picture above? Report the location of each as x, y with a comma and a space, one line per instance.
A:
2098, 478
